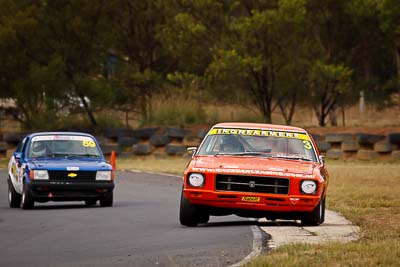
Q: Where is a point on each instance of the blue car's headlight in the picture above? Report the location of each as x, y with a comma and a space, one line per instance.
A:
39, 175
103, 176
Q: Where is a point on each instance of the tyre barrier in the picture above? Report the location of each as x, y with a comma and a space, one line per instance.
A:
395, 154
174, 141
368, 139
174, 150
13, 139
107, 149
317, 137
115, 134
350, 146
334, 153
367, 154
394, 138
201, 134
191, 142
142, 149
176, 133
323, 146
3, 147
127, 141
101, 140
144, 133
338, 137
383, 147
159, 140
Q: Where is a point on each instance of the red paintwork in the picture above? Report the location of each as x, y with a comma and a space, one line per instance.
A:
292, 169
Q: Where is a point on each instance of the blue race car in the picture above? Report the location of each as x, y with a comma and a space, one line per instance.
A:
59, 166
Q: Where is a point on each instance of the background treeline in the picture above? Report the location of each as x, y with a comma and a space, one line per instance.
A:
63, 57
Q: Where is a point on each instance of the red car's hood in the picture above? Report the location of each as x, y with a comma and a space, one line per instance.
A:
252, 165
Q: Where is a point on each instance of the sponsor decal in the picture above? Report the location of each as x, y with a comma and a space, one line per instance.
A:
62, 137
294, 200
266, 133
254, 172
251, 199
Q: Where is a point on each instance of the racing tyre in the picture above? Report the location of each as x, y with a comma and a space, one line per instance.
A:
27, 201
107, 200
14, 199
316, 217
203, 216
90, 202
188, 213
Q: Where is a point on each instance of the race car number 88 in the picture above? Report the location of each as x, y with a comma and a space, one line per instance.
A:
88, 143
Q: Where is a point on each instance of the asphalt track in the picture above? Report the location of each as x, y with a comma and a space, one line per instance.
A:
141, 229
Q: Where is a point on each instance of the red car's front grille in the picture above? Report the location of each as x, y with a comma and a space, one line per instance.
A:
256, 184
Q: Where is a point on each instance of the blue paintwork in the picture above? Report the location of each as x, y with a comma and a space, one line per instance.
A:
84, 163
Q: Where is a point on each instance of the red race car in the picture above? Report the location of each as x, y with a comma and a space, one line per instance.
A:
255, 170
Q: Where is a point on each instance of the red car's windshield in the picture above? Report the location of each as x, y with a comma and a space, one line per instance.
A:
245, 142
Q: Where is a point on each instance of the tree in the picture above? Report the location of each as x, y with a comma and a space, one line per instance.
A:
143, 62
52, 56
254, 53
328, 83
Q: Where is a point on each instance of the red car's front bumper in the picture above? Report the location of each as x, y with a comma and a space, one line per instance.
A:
252, 201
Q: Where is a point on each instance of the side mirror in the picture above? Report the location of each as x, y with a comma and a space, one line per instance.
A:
322, 160
191, 150
17, 157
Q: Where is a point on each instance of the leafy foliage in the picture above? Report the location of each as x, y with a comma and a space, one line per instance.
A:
65, 57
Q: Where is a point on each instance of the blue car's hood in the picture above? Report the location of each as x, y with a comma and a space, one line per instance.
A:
69, 164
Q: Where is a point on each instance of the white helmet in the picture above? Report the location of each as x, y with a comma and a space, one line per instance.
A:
38, 148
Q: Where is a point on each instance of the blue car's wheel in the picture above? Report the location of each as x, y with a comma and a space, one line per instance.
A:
14, 199
27, 198
107, 200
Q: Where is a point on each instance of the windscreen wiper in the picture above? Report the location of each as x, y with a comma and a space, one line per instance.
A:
55, 155
247, 153
292, 157
83, 156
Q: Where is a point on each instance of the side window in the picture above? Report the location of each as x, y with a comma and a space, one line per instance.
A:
21, 145
24, 145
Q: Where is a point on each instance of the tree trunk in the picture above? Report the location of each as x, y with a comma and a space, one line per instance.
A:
288, 110
89, 112
267, 115
333, 116
397, 55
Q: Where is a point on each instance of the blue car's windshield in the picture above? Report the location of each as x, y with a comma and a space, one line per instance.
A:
65, 146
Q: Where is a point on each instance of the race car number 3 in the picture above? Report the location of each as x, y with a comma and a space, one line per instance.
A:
251, 199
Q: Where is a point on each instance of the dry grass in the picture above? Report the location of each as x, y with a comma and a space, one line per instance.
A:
366, 194
172, 165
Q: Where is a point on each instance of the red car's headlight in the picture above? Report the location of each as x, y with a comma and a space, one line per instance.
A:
196, 179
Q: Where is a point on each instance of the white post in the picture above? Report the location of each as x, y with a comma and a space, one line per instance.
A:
362, 103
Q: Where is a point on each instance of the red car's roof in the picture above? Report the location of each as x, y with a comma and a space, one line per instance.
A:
259, 126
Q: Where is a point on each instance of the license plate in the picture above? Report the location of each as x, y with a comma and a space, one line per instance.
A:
251, 199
